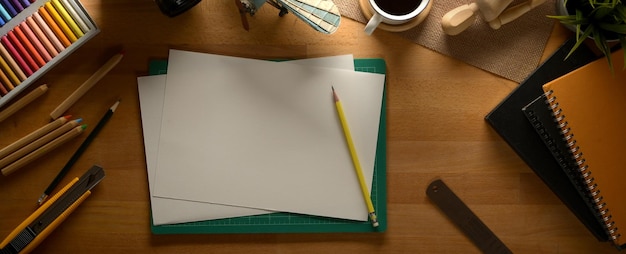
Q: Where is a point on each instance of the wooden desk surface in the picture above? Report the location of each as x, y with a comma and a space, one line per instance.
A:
436, 128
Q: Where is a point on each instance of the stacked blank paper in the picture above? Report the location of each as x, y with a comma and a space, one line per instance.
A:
228, 137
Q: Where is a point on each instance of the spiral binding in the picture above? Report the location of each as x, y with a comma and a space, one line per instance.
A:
583, 167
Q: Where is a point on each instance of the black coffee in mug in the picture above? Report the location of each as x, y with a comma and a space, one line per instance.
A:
398, 7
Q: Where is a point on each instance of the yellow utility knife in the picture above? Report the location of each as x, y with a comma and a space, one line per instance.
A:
29, 234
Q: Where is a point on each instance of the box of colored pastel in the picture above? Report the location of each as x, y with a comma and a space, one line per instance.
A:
34, 36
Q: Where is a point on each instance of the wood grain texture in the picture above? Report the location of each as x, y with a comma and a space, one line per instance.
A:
436, 129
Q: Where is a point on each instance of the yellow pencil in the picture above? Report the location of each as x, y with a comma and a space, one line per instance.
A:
35, 215
43, 150
355, 160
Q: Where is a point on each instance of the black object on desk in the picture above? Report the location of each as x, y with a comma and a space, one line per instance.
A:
508, 120
474, 228
78, 153
175, 7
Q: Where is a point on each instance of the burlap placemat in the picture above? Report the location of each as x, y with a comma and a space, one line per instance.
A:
513, 51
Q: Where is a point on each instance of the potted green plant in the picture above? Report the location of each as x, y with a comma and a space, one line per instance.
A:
602, 20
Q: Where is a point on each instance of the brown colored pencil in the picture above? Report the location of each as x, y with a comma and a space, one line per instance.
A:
33, 136
43, 150
39, 142
10, 110
82, 89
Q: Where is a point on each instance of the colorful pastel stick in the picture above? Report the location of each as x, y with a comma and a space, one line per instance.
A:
21, 49
17, 5
54, 27
25, 3
4, 14
36, 42
3, 81
6, 83
13, 65
41, 37
9, 7
79, 20
30, 48
62, 24
18, 58
54, 40
67, 18
8, 67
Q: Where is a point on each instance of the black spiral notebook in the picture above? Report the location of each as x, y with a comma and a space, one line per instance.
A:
542, 119
508, 120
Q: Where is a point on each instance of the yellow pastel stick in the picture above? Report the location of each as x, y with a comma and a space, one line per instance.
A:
79, 20
68, 18
12, 69
60, 22
4, 79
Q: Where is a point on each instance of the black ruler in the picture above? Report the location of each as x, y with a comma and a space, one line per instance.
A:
464, 218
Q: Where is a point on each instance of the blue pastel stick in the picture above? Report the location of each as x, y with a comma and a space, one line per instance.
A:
9, 7
18, 6
25, 3
4, 14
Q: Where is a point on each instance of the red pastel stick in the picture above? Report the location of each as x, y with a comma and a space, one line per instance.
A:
30, 48
22, 51
16, 56
35, 41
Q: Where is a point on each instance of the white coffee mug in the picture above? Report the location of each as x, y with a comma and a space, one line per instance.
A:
379, 15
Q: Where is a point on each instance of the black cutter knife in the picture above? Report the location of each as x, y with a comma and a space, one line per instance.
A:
44, 220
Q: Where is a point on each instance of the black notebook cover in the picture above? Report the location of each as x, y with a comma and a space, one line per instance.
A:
541, 117
508, 120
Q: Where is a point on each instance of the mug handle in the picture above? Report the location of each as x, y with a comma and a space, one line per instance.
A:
373, 23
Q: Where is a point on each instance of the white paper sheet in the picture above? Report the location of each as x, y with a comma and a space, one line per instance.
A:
170, 211
265, 135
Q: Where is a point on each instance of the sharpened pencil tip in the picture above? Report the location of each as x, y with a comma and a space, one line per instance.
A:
114, 107
335, 94
42, 199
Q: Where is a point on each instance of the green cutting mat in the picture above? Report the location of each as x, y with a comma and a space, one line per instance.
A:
298, 223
